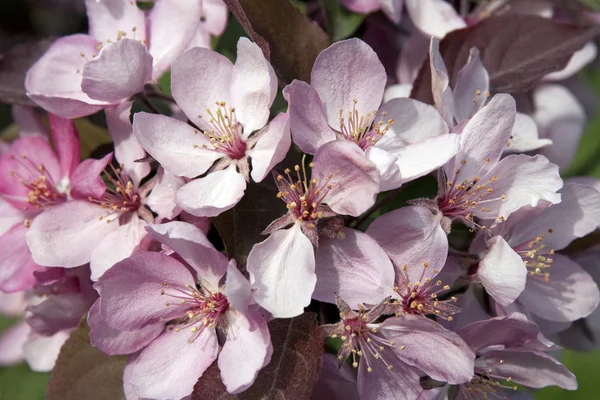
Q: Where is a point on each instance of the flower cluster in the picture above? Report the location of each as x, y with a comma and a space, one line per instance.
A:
457, 294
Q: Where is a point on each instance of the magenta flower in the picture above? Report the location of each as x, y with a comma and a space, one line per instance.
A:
193, 301
35, 178
508, 352
107, 226
125, 49
230, 106
522, 270
343, 102
391, 355
478, 184
282, 267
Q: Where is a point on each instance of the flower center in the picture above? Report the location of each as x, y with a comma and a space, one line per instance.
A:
121, 195
464, 198
486, 383
362, 130
535, 257
421, 297
302, 196
205, 308
226, 133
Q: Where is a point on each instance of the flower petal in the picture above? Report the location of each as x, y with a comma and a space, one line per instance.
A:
354, 268
434, 17
237, 288
354, 179
66, 143
200, 78
170, 366
12, 340
28, 121
440, 83
282, 270
271, 148
162, 198
175, 145
390, 176
210, 196
253, 87
246, 350
131, 291
16, 264
348, 76
502, 272
401, 382
418, 239
107, 18
120, 70
510, 330
525, 136
41, 352
472, 85
86, 179
171, 26
127, 148
191, 244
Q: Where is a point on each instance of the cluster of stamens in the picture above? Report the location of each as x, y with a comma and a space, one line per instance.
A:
362, 129
121, 195
203, 311
486, 384
462, 199
302, 196
421, 297
226, 133
535, 257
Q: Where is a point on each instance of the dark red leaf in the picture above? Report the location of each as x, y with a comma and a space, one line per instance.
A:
292, 373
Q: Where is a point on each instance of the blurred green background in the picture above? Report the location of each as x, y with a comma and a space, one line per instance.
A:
22, 20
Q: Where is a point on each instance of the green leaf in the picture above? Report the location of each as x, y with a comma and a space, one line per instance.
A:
341, 23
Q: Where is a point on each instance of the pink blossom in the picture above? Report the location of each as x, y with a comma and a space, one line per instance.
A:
196, 295
125, 49
342, 182
34, 178
343, 102
213, 22
108, 226
230, 106
522, 270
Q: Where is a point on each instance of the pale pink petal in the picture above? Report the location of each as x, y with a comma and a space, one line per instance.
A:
215, 13
426, 343
472, 85
200, 78
354, 179
525, 136
362, 6
54, 81
109, 17
511, 330
57, 312
418, 239
570, 293
12, 340
525, 181
401, 382
392, 9
170, 366
127, 148
561, 118
201, 38
41, 352
171, 26
308, 122
237, 288
162, 198
210, 196
502, 272
12, 304
412, 55
117, 245
354, 268
175, 145
484, 138
348, 76
66, 143
246, 350
390, 176
192, 245
253, 86
434, 17
112, 341
16, 264
28, 121
271, 148
440, 83
131, 291
416, 160
86, 179
401, 90
579, 59
120, 70
66, 235
282, 270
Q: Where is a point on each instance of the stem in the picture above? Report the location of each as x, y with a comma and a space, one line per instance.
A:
380, 203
